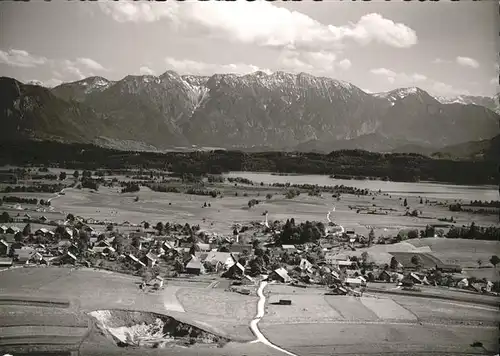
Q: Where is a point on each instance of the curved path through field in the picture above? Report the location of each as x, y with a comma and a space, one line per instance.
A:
57, 195
260, 314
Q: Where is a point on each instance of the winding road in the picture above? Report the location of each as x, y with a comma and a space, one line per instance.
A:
260, 314
57, 195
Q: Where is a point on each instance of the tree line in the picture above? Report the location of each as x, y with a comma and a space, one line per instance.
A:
19, 200
37, 188
395, 166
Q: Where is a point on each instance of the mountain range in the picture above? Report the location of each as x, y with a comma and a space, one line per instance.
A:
258, 111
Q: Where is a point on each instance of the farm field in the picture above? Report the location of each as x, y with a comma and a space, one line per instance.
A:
375, 339
109, 204
375, 307
376, 324
433, 311
431, 189
460, 251
438, 293
89, 290
312, 319
315, 324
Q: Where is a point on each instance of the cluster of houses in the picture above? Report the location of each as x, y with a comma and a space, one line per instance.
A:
225, 256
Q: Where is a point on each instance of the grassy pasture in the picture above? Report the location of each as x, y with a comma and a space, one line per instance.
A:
40, 316
226, 305
109, 204
378, 339
427, 260
448, 311
460, 251
91, 290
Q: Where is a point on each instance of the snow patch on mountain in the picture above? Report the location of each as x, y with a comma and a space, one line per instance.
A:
398, 94
35, 82
93, 84
197, 89
487, 102
460, 99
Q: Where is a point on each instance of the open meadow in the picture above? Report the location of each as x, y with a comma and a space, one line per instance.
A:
383, 212
315, 324
318, 324
87, 290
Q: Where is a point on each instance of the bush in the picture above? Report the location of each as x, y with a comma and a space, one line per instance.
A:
212, 193
292, 193
131, 188
90, 184
162, 188
252, 202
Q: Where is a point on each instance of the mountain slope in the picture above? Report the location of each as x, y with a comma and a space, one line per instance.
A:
488, 149
30, 111
147, 107
254, 111
373, 142
79, 90
490, 103
281, 110
416, 115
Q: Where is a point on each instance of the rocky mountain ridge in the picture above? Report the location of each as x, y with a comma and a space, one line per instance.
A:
274, 111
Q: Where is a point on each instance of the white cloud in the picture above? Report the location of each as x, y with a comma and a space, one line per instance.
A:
291, 61
467, 62
71, 68
52, 83
345, 64
446, 90
90, 63
383, 71
78, 69
432, 86
418, 77
186, 66
463, 61
374, 27
318, 63
263, 23
403, 79
61, 68
494, 81
126, 11
20, 58
440, 61
146, 71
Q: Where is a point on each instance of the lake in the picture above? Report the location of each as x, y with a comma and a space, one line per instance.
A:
429, 190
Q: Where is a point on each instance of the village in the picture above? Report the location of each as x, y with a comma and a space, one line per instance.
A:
238, 260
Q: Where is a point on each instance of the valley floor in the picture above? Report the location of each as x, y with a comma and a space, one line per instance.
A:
315, 324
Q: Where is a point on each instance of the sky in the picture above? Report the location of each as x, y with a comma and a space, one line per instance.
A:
445, 48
